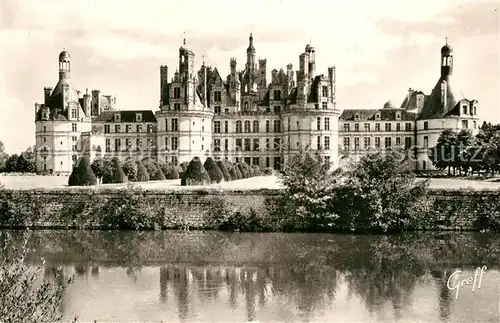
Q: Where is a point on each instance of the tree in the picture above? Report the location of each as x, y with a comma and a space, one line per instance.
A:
195, 174
142, 173
21, 299
82, 174
130, 169
381, 192
444, 154
116, 175
222, 166
169, 170
101, 168
11, 164
216, 175
3, 157
26, 161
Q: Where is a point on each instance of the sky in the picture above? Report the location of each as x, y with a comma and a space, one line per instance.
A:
379, 48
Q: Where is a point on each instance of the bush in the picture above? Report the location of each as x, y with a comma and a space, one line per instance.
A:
169, 170
268, 171
130, 169
184, 166
142, 173
256, 170
222, 166
239, 175
151, 167
101, 168
158, 173
195, 174
216, 175
242, 169
116, 174
82, 174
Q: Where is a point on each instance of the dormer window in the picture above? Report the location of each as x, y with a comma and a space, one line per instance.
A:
138, 117
377, 116
117, 117
398, 116
464, 109
356, 116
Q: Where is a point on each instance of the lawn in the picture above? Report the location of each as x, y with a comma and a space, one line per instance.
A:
259, 182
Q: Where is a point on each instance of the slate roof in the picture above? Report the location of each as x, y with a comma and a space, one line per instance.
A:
126, 116
433, 108
369, 114
411, 102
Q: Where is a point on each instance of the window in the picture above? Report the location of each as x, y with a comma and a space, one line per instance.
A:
44, 139
277, 144
268, 144
268, 162
356, 143
138, 117
74, 127
377, 142
44, 129
217, 96
177, 106
398, 116
316, 106
247, 144
318, 123
268, 109
398, 126
346, 127
356, 116
73, 148
128, 143
277, 95
74, 114
247, 160
226, 126
324, 91
216, 144
117, 117
327, 124
256, 144
277, 109
174, 160
327, 159
118, 143
255, 161
387, 127
388, 141
426, 142
128, 128
464, 109
138, 144
367, 127
238, 126
377, 127
324, 105
247, 126
117, 128
277, 125
74, 158
139, 128
356, 127
108, 145
255, 126
166, 143
175, 143
407, 142
474, 124
424, 165
377, 116
226, 110
367, 142
226, 144
408, 126
327, 143
474, 108
150, 128
216, 126
465, 124
217, 109
177, 92
426, 125
238, 143
398, 141
245, 106
347, 143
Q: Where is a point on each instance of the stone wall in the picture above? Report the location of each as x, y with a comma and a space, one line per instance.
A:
454, 210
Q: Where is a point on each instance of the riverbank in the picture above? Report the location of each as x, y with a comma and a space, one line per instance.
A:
206, 208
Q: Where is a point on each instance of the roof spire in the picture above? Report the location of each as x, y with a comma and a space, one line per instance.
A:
310, 39
184, 36
203, 58
446, 39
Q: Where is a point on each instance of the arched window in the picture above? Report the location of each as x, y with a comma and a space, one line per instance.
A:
247, 126
245, 107
238, 126
256, 126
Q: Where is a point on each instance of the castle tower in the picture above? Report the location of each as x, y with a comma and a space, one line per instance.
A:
312, 61
64, 65
446, 61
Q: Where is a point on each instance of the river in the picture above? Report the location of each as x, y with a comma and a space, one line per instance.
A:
174, 276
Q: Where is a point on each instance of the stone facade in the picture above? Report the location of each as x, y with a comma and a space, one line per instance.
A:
242, 117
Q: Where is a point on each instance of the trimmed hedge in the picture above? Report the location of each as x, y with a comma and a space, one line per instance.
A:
195, 174
130, 169
116, 174
82, 174
169, 170
216, 175
222, 166
142, 173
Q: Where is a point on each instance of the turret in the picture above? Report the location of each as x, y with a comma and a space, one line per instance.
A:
446, 61
312, 61
64, 65
250, 53
232, 65
262, 71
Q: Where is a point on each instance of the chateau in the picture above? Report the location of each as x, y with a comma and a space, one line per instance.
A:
242, 117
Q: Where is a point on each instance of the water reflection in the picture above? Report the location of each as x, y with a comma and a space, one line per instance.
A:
213, 276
